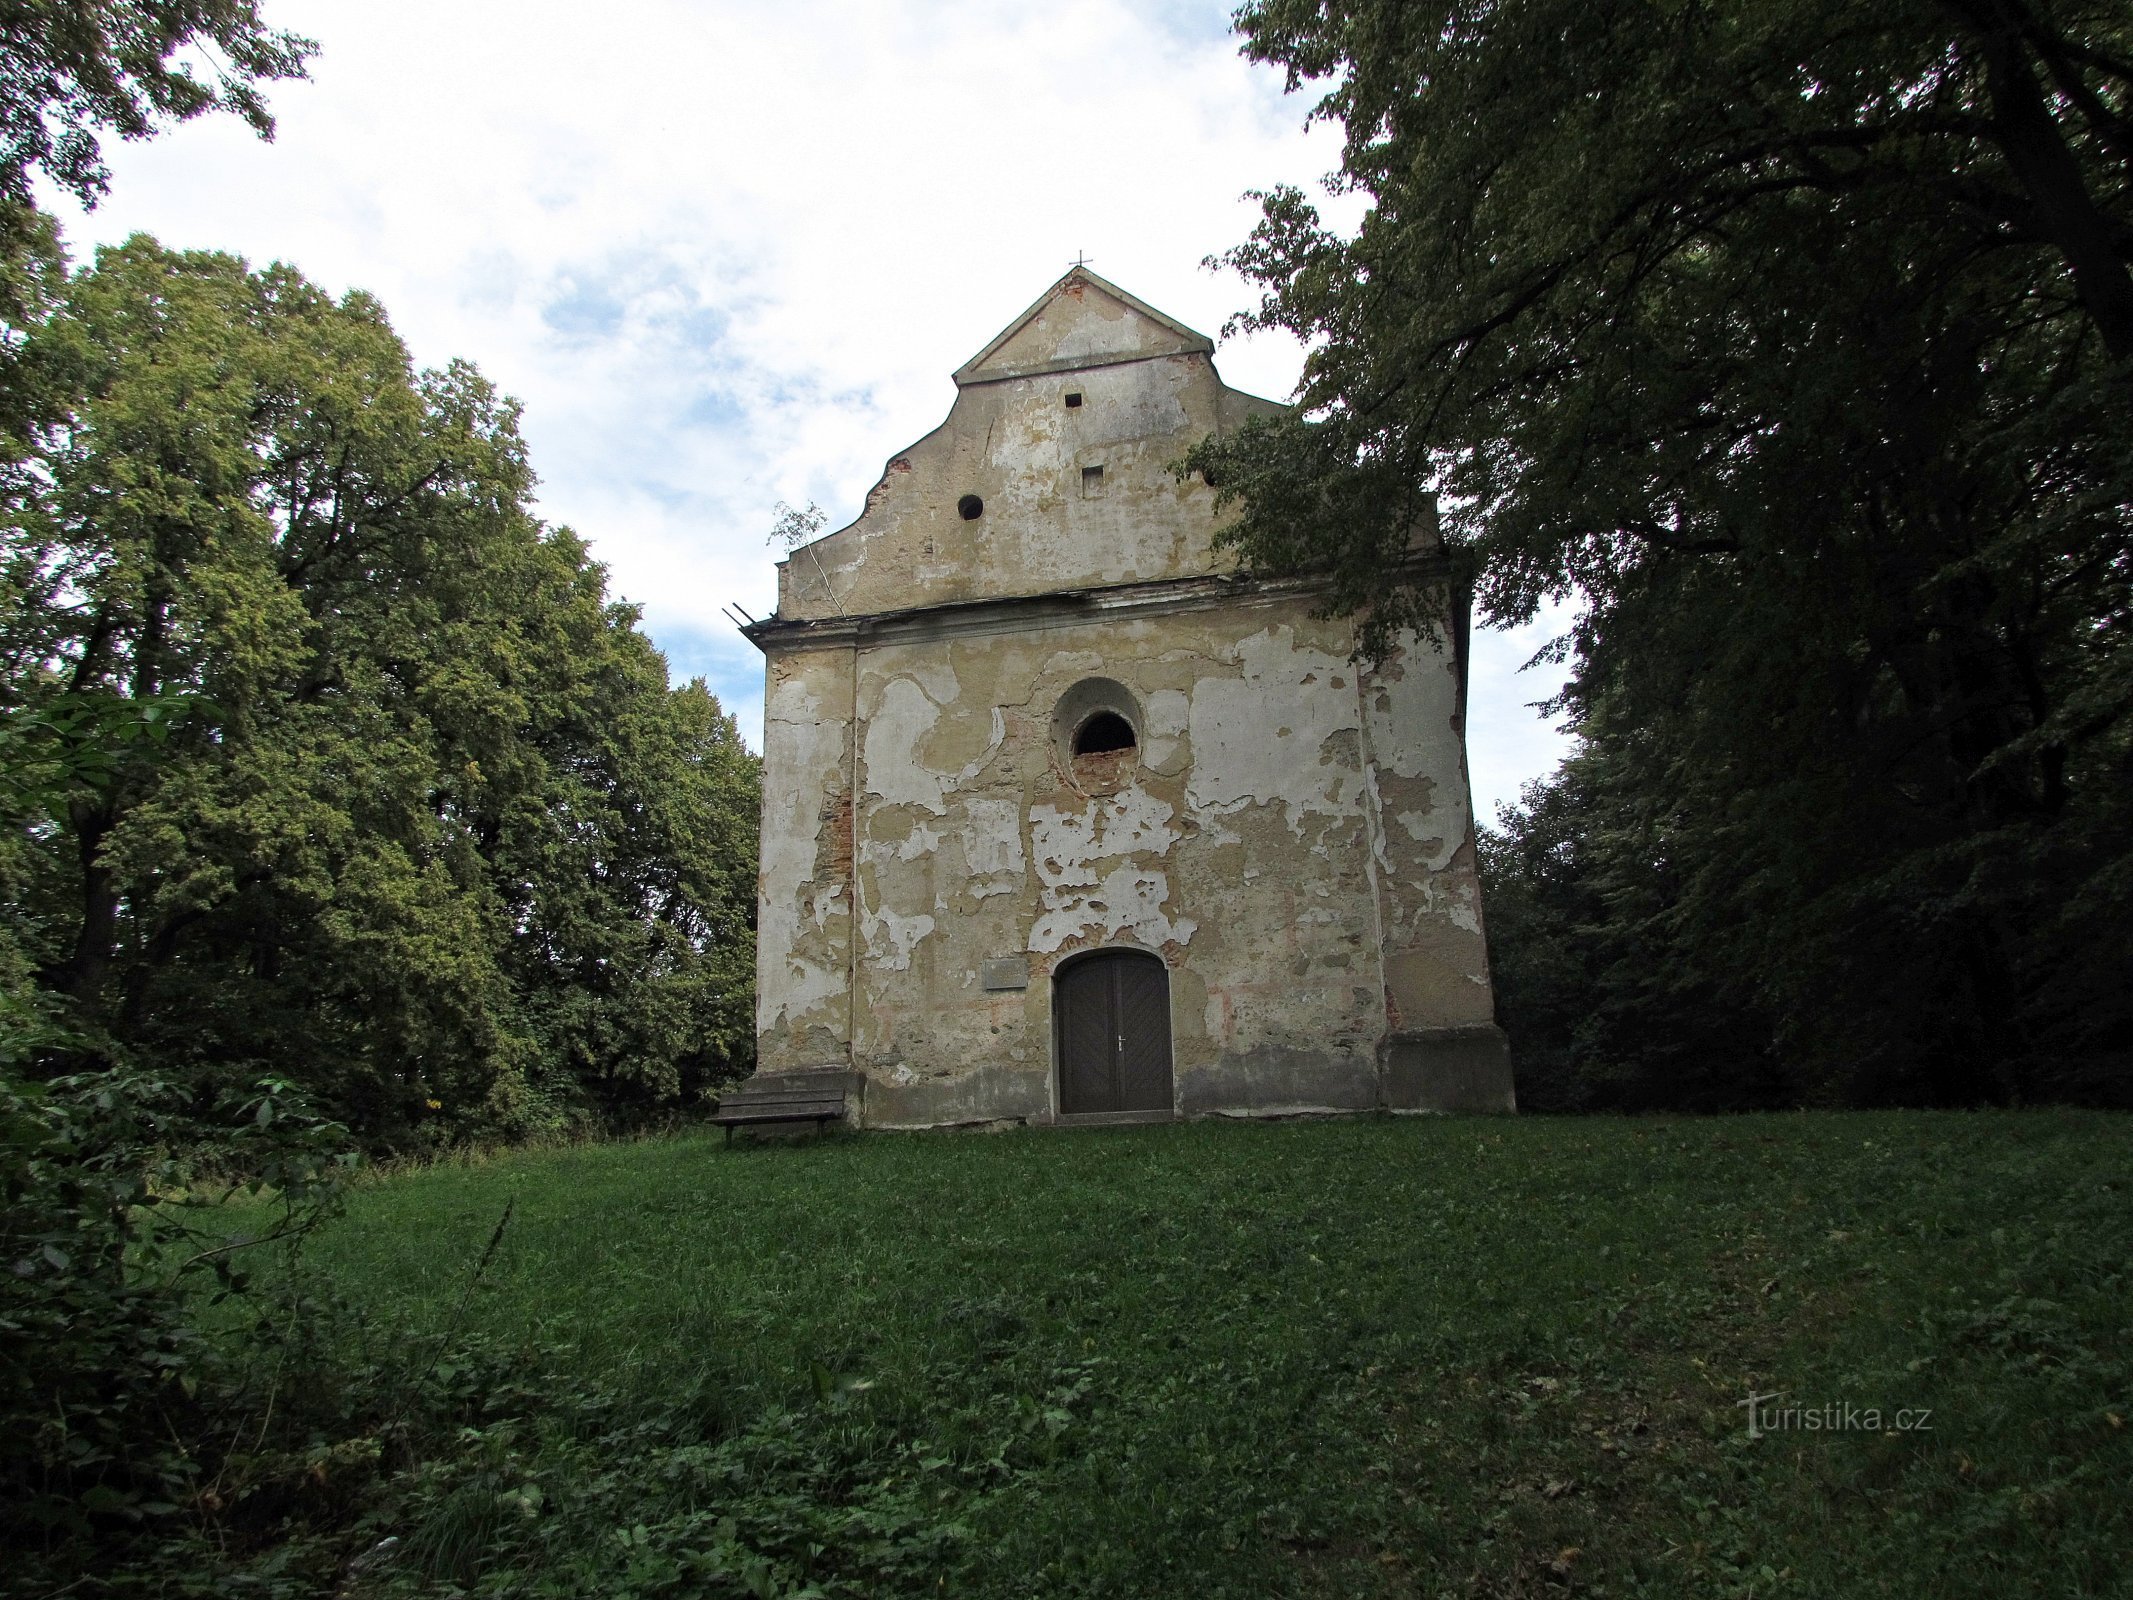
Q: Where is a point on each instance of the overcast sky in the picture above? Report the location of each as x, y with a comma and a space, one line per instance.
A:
728, 252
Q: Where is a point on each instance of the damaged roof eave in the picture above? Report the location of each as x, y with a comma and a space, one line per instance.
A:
1041, 609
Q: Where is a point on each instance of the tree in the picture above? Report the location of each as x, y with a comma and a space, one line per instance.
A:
329, 777
1794, 339
1588, 971
416, 821
70, 69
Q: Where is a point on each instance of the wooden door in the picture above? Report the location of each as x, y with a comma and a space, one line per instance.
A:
1111, 1016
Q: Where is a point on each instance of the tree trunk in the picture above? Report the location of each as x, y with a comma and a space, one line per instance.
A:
2037, 151
81, 976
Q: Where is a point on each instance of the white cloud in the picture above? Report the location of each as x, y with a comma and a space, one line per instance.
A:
727, 254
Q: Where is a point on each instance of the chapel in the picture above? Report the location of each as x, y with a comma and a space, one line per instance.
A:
1067, 820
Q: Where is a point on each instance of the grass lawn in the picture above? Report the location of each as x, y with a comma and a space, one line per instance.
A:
1376, 1357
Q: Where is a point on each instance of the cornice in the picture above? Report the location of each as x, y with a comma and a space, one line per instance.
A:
1049, 609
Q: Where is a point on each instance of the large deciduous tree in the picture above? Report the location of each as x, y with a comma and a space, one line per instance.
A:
71, 70
1796, 338
361, 778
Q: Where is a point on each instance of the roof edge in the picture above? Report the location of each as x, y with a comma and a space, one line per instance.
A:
1037, 369
1044, 606
966, 374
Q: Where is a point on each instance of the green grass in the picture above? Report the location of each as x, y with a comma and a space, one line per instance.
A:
1353, 1358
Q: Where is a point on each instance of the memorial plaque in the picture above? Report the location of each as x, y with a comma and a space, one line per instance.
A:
1005, 972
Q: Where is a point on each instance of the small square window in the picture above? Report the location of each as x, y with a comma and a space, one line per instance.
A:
1074, 399
1092, 482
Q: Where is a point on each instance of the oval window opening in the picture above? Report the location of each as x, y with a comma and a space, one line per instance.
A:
1103, 733
970, 508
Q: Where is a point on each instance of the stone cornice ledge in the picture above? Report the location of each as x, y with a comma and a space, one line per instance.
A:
1052, 608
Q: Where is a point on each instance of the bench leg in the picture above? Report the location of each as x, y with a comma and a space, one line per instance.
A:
729, 1136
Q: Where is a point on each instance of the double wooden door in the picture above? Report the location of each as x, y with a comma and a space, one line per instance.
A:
1111, 1019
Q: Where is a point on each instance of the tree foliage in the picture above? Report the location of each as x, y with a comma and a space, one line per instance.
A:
339, 765
71, 69
329, 777
112, 1245
1794, 339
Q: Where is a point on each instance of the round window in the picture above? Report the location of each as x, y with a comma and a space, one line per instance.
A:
1096, 731
1103, 734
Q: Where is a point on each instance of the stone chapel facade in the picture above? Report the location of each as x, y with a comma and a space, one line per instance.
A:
1063, 820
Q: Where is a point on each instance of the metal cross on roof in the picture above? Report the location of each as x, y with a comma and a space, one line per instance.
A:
1080, 260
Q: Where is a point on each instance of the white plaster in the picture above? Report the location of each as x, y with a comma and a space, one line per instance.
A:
805, 987
992, 747
1417, 824
1144, 401
788, 985
922, 842
1132, 900
1092, 334
1161, 743
1088, 323
790, 700
1080, 901
1066, 844
935, 675
905, 716
1412, 735
892, 938
1167, 711
992, 837
1255, 738
827, 901
804, 763
1453, 901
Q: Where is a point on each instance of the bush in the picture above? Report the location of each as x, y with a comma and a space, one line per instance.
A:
116, 1404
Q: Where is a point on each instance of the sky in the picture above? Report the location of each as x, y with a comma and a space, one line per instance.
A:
727, 252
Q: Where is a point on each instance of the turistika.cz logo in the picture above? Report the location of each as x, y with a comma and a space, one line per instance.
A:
1831, 1416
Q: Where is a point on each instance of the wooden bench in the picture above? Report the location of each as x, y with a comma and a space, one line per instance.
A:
749, 1105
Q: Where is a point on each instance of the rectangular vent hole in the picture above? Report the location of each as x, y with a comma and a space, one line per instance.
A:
1092, 480
1074, 399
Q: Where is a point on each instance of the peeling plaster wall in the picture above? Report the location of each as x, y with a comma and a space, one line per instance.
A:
1014, 443
1247, 847
1436, 966
1292, 836
803, 894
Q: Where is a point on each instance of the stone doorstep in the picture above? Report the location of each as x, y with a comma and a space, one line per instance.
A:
1106, 1119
